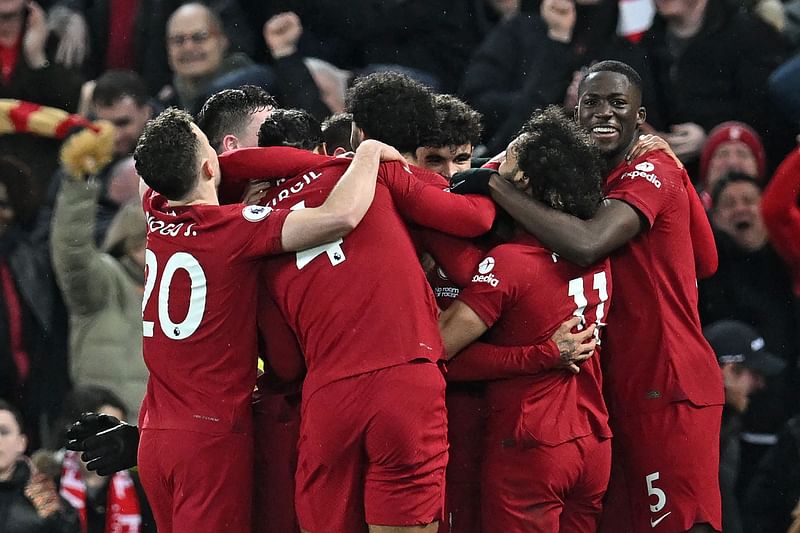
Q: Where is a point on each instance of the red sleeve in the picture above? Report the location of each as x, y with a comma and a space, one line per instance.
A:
781, 213
494, 286
281, 350
259, 230
480, 361
422, 198
703, 244
457, 257
249, 164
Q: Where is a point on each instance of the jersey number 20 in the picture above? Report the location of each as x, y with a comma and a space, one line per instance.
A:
197, 295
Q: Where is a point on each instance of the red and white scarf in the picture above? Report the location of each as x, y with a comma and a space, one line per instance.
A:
122, 503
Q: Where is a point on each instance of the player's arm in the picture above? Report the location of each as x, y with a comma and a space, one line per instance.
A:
481, 361
346, 205
248, 164
459, 326
583, 242
422, 198
779, 207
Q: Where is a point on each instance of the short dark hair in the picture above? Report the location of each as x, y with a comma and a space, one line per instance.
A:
290, 127
19, 182
392, 108
113, 85
618, 67
166, 154
336, 131
562, 164
16, 414
456, 123
228, 112
727, 179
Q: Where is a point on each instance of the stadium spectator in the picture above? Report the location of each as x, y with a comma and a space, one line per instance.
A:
115, 503
32, 364
29, 501
730, 147
100, 35
745, 365
528, 61
710, 61
649, 199
752, 285
537, 475
27, 74
102, 288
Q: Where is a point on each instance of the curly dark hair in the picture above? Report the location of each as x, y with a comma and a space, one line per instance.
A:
562, 164
167, 154
456, 123
228, 112
336, 132
290, 127
392, 108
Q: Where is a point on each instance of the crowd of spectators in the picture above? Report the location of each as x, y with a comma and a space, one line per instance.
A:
721, 84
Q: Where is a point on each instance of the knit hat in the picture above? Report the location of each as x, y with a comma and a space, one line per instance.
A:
733, 131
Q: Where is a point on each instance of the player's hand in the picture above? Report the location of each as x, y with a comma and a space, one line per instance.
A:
385, 152
650, 143
575, 348
255, 191
108, 450
472, 181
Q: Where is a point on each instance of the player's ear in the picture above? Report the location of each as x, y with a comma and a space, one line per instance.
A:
641, 116
230, 142
209, 172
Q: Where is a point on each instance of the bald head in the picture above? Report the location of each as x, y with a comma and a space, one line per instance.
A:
196, 43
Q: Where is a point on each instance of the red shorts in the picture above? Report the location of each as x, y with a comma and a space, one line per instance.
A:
466, 424
373, 449
665, 471
197, 482
542, 489
276, 426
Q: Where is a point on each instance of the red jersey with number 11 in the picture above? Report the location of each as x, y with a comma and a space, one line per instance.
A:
199, 312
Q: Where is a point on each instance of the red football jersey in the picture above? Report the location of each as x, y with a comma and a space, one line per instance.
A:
654, 349
362, 303
524, 292
199, 320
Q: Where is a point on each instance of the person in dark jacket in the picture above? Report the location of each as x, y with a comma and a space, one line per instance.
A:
29, 502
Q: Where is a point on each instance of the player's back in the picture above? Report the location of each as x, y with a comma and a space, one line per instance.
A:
202, 265
655, 352
361, 303
526, 292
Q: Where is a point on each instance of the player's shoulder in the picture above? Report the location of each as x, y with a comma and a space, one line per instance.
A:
655, 167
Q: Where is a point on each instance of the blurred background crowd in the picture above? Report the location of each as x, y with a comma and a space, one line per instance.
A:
722, 86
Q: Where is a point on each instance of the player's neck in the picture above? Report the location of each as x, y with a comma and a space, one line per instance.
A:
199, 196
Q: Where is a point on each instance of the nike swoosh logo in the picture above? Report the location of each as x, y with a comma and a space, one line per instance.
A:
654, 523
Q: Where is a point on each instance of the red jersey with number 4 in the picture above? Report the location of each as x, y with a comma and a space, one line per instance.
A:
524, 292
199, 320
654, 349
362, 303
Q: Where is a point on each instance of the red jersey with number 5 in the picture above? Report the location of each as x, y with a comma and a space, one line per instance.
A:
655, 352
363, 303
199, 312
524, 292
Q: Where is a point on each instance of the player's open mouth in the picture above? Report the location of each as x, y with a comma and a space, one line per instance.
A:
604, 132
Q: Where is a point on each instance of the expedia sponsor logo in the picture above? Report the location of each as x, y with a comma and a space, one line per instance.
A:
649, 176
486, 278
486, 266
647, 166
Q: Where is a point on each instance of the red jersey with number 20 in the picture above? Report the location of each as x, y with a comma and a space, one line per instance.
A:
199, 312
524, 292
363, 303
655, 352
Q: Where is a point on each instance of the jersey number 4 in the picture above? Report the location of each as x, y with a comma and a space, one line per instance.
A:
197, 295
332, 249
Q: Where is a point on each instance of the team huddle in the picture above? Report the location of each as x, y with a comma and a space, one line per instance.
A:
511, 348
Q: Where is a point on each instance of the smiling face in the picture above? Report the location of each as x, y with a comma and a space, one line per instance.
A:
737, 212
610, 108
195, 45
445, 160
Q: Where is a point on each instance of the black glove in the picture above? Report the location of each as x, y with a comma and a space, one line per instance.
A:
109, 450
472, 181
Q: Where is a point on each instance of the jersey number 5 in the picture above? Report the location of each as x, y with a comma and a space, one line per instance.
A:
197, 295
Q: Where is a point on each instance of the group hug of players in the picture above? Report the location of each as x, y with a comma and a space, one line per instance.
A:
505, 350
